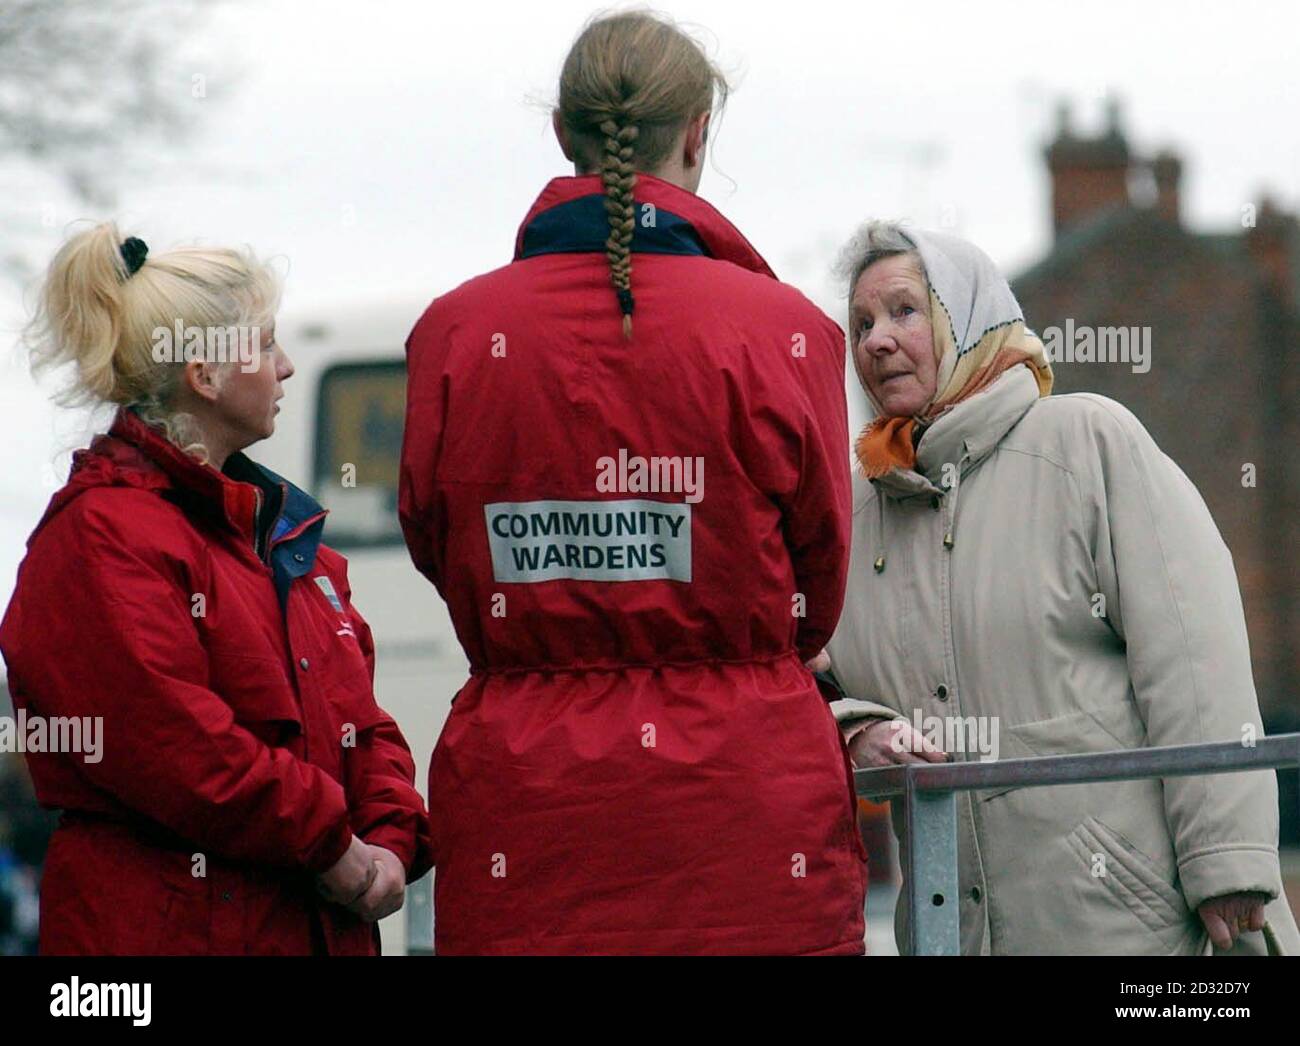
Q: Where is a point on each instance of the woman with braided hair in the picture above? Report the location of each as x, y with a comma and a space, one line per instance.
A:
640, 760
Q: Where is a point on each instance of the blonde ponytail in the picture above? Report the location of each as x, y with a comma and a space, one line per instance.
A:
80, 315
98, 313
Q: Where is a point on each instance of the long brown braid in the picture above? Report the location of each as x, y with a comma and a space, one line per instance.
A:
630, 84
619, 175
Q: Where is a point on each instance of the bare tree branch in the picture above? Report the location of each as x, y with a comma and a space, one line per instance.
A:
83, 83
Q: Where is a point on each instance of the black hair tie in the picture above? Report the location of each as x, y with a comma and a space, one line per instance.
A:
625, 300
134, 251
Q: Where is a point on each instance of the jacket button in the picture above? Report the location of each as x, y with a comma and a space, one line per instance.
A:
880, 564
941, 692
975, 894
298, 558
226, 895
947, 540
303, 663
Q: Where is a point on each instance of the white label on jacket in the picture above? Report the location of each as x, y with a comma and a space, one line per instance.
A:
327, 586
629, 540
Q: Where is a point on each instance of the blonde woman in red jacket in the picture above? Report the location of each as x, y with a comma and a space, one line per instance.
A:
244, 794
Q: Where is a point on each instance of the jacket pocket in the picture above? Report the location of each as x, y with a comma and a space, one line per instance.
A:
1009, 747
255, 688
1110, 728
1128, 874
186, 914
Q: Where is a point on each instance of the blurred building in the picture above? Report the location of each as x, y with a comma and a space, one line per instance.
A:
1222, 311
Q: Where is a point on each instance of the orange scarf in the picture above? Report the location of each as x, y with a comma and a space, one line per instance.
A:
885, 444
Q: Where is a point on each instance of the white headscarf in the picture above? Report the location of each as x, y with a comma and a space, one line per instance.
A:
979, 332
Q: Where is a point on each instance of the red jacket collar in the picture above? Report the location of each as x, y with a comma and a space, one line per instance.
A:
134, 454
722, 239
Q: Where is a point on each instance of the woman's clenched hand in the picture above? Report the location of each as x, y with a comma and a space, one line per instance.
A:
387, 891
351, 876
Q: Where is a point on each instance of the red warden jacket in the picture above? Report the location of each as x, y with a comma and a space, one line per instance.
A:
639, 542
198, 616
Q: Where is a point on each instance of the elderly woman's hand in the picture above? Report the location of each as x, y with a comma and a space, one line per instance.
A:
888, 742
1232, 913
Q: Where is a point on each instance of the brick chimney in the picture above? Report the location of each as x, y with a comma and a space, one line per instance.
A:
1167, 169
1089, 175
1274, 244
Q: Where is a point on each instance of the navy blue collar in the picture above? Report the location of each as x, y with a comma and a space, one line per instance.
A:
582, 225
668, 219
292, 533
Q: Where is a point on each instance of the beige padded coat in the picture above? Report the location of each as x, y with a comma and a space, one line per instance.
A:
1063, 582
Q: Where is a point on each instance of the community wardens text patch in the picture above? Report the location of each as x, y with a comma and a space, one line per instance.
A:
628, 540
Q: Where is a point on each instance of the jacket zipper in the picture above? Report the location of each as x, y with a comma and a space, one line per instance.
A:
263, 549
270, 531
257, 514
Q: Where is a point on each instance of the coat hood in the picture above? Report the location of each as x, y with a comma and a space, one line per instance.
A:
950, 448
133, 454
262, 508
964, 436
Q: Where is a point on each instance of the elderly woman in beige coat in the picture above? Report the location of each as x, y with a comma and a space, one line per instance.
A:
1035, 566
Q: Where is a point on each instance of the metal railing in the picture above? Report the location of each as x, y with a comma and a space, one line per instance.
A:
929, 792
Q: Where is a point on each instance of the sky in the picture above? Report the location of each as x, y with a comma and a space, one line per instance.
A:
388, 150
